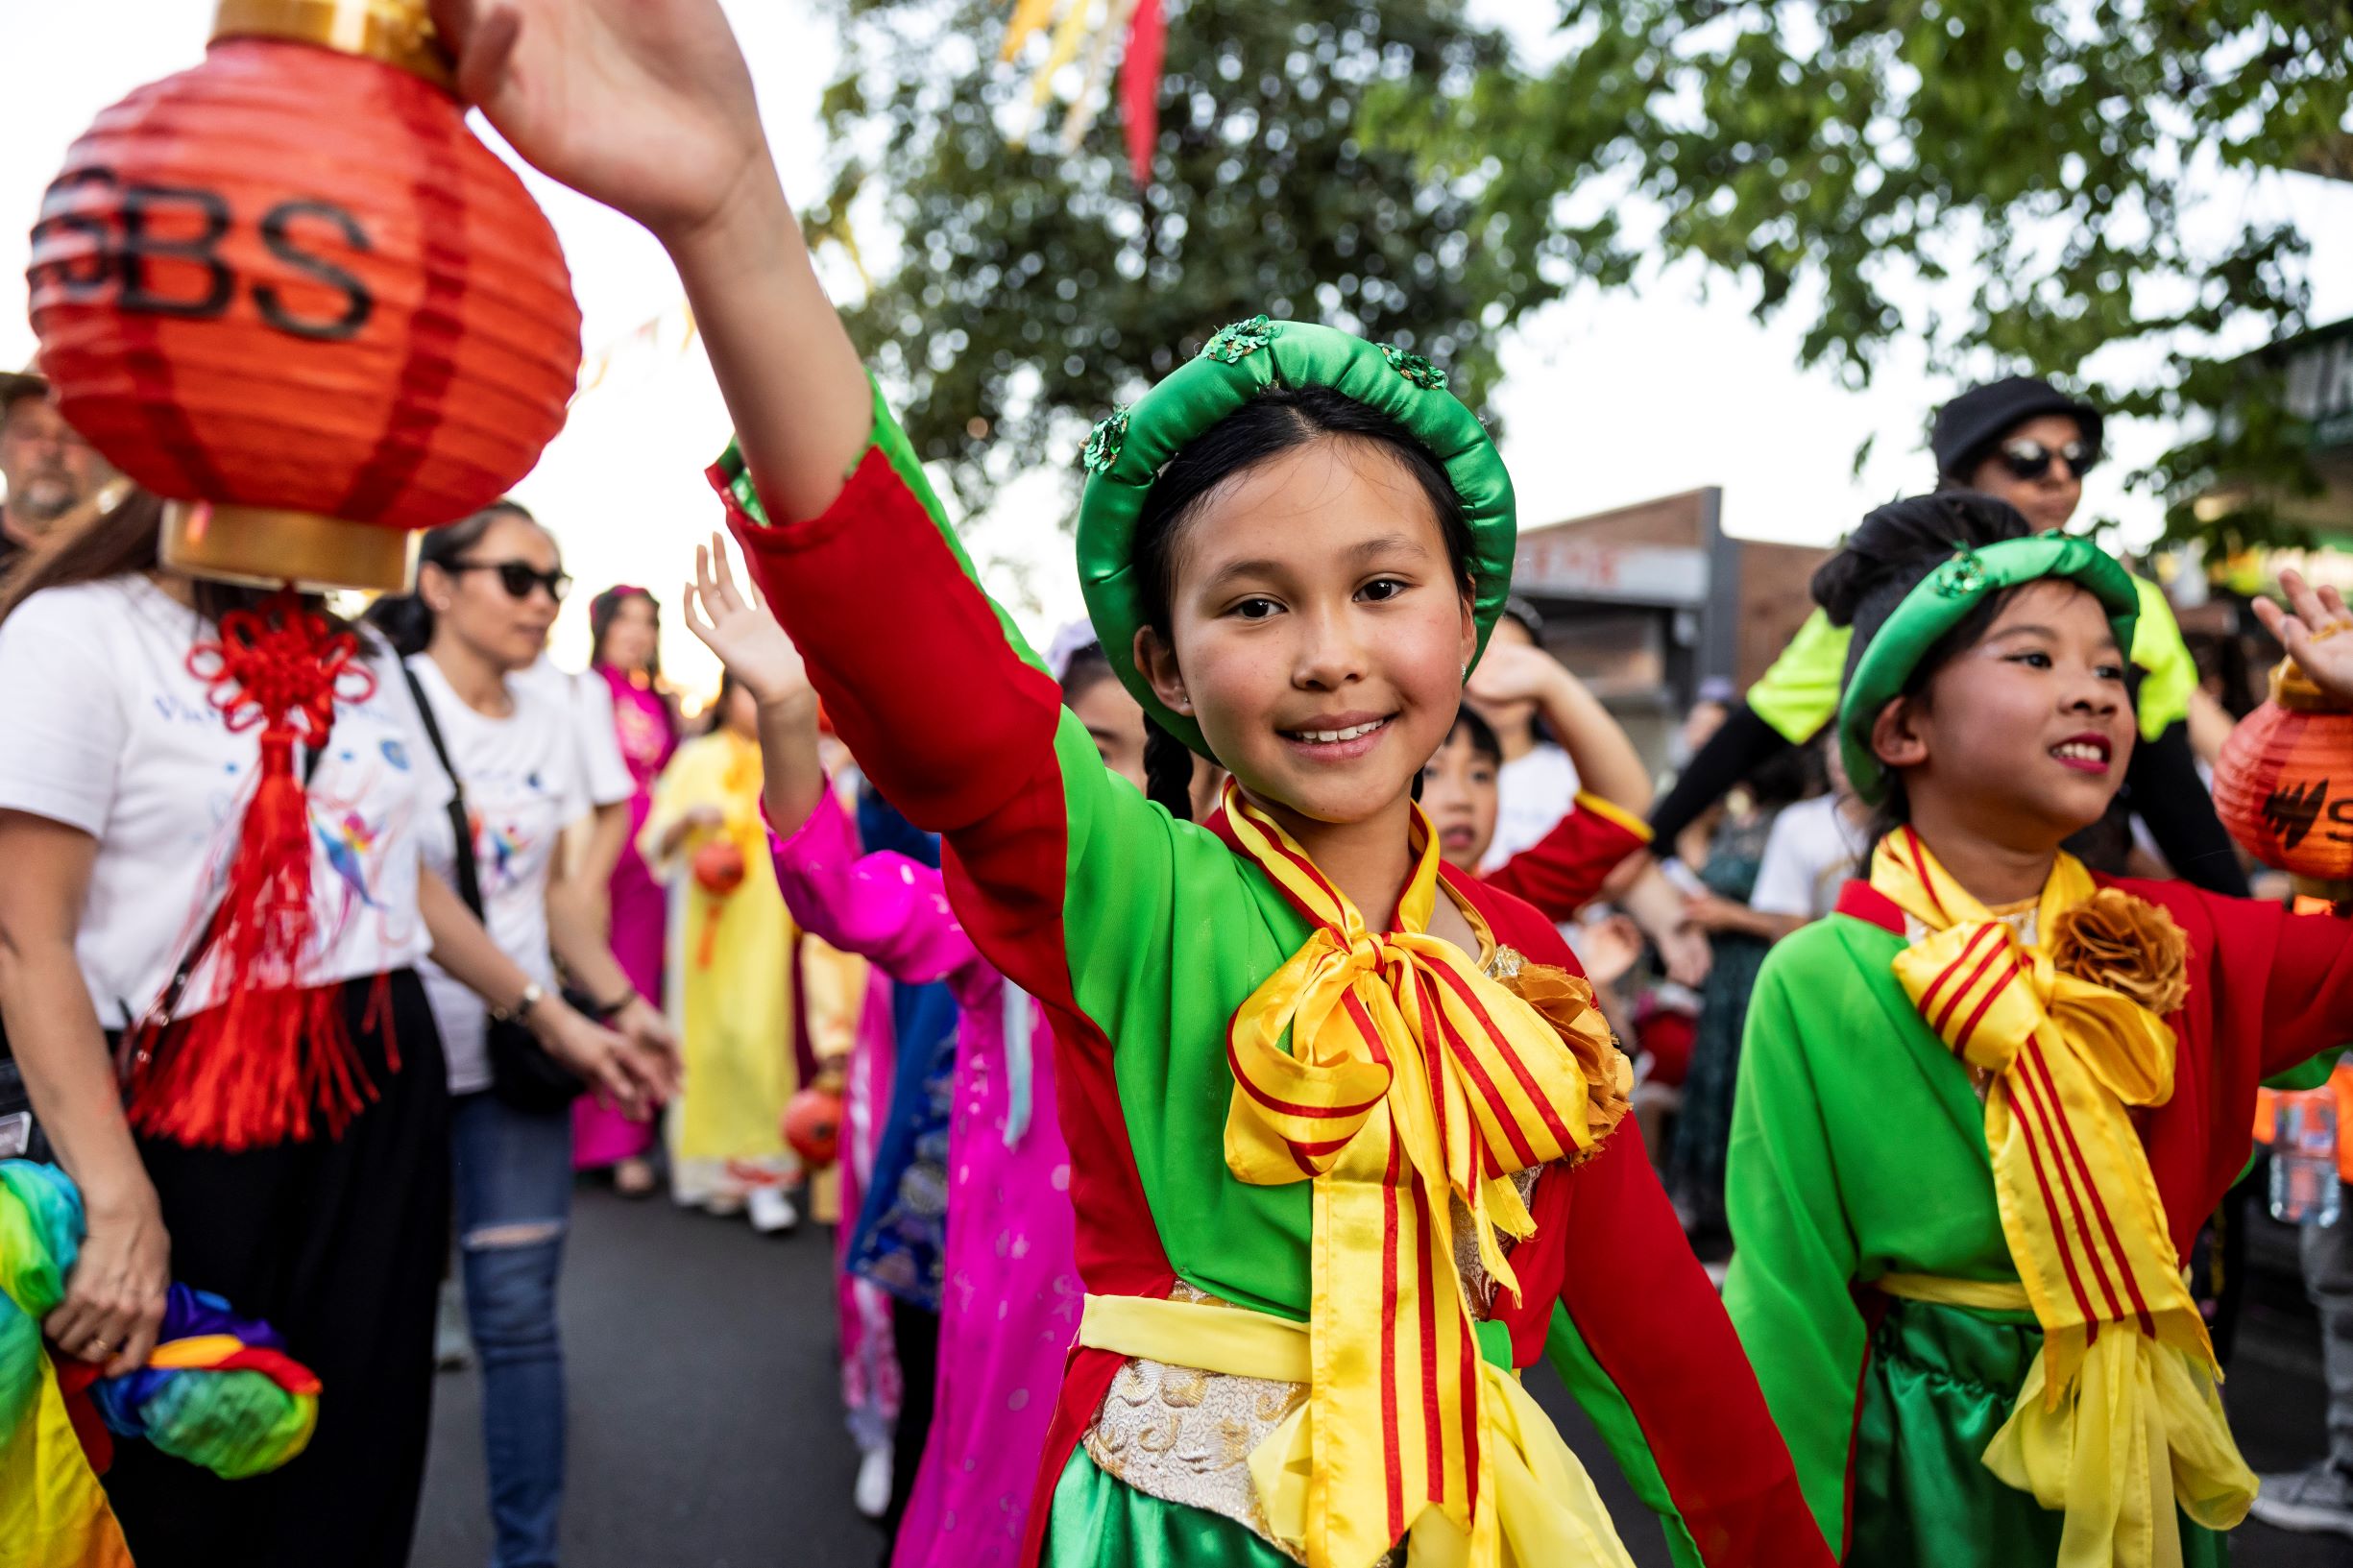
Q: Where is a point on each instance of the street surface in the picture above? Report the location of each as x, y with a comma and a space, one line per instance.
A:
706, 1427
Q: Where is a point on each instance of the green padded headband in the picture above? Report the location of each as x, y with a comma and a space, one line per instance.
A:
1128, 450
1940, 602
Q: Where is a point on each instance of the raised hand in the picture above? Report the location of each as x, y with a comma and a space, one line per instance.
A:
1513, 672
2309, 630
733, 622
644, 105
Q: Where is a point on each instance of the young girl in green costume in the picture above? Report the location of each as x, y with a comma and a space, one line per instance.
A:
1984, 1106
1344, 1126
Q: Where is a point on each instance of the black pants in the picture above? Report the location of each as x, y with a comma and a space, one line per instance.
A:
914, 1335
339, 1245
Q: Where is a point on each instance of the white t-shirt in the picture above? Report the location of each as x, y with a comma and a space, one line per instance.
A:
1534, 791
523, 786
1811, 848
107, 731
590, 702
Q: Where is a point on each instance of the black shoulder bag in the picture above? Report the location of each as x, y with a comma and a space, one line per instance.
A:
522, 1072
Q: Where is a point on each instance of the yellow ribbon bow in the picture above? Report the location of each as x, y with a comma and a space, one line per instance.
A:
2117, 1420
1410, 1081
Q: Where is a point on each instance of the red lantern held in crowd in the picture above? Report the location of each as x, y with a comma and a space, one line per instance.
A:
2284, 786
291, 294
812, 1124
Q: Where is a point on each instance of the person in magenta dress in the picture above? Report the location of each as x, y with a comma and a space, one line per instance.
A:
626, 625
1010, 1294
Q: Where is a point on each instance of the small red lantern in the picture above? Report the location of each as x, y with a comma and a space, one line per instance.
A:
2284, 786
291, 292
812, 1124
719, 867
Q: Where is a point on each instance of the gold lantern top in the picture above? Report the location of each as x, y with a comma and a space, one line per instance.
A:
396, 32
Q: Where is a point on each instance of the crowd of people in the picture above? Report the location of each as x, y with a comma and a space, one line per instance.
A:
1229, 1050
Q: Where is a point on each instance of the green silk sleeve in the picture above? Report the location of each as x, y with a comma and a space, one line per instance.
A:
1607, 1407
1799, 693
1788, 1293
2168, 674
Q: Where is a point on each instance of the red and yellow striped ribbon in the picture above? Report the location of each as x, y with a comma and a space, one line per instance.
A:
1387, 1069
2126, 1372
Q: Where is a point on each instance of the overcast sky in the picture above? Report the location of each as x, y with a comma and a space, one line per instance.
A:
1609, 398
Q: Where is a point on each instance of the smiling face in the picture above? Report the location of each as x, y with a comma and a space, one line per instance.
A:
1317, 630
2024, 737
1460, 796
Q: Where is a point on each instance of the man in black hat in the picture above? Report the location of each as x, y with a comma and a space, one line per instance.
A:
2024, 441
50, 470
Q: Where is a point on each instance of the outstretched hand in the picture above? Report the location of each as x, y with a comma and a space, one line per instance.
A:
644, 105
2309, 630
734, 622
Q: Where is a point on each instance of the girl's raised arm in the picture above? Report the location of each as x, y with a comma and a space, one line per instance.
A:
647, 106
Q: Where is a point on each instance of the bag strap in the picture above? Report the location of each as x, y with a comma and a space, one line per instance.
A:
467, 859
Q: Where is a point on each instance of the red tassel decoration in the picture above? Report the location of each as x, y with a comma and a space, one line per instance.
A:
255, 1068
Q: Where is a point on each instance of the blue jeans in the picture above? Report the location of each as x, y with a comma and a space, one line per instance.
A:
514, 1200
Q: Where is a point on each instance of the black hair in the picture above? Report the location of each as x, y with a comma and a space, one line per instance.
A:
1278, 419
1479, 732
606, 608
718, 704
1890, 554
1086, 668
405, 619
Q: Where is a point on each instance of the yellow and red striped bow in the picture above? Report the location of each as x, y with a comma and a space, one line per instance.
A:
1388, 1070
2126, 1372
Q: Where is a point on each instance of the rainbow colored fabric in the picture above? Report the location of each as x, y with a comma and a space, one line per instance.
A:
219, 1390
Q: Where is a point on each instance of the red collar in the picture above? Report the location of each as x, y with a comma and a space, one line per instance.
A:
1868, 905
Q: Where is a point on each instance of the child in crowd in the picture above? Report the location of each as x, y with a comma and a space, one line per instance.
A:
1298, 1059
1010, 1294
1985, 1105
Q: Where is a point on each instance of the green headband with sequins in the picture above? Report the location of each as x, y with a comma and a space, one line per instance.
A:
1128, 450
1940, 602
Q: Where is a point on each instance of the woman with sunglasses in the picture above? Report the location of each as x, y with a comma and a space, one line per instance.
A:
488, 590
2023, 441
123, 798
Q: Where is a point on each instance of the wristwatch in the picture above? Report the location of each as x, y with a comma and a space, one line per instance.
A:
532, 995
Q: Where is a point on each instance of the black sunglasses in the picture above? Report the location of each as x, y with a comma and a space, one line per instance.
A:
2031, 459
518, 577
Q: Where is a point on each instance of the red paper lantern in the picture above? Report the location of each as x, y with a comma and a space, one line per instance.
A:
719, 867
812, 1124
290, 290
2284, 784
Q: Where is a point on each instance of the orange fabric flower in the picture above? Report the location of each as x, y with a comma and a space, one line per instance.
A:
1565, 1002
2127, 944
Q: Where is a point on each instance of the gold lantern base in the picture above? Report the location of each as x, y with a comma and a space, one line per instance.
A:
269, 549
396, 32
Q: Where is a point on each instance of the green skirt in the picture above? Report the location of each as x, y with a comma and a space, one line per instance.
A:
1941, 1383
1098, 1520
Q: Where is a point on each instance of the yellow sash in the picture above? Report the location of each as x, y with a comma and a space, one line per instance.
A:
1546, 1504
1387, 1070
2117, 1420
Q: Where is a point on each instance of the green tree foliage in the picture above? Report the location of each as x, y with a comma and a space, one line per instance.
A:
1037, 289
2034, 166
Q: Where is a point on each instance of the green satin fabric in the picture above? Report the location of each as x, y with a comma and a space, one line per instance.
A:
1941, 1382
1096, 1520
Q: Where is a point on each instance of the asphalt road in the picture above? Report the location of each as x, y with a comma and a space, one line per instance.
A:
706, 1428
